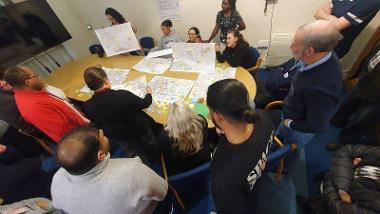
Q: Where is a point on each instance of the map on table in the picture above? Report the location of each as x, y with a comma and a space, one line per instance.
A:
170, 90
118, 39
205, 80
136, 86
194, 57
153, 65
116, 76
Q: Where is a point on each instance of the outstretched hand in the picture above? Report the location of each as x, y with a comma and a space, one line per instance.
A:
148, 90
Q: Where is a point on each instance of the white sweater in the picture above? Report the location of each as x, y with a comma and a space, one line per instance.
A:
115, 186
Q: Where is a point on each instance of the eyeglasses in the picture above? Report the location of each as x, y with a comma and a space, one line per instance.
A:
33, 76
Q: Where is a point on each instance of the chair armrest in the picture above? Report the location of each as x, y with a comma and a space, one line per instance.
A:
273, 104
42, 143
254, 69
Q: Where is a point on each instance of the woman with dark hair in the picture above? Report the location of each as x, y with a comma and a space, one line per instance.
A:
194, 35
241, 154
237, 51
116, 18
227, 19
168, 37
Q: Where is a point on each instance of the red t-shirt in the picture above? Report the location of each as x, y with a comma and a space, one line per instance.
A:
52, 115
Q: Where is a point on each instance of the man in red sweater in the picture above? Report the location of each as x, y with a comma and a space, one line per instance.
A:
49, 113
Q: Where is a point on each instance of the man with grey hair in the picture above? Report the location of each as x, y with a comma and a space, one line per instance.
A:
314, 92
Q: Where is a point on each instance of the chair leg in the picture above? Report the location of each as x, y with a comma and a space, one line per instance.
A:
279, 170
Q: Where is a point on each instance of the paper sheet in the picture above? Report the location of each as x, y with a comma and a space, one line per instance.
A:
194, 57
169, 9
116, 76
205, 80
170, 90
136, 86
159, 53
153, 66
118, 39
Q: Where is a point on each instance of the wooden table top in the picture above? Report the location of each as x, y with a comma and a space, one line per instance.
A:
69, 77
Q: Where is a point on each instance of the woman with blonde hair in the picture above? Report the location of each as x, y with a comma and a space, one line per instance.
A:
183, 141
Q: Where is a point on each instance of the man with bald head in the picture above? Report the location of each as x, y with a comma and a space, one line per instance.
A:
314, 92
48, 112
90, 182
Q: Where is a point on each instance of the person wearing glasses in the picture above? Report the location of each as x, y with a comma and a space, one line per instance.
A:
49, 113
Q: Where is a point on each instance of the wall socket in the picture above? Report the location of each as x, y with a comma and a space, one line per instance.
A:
88, 27
263, 44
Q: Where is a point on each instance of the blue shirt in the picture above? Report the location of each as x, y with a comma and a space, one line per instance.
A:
304, 67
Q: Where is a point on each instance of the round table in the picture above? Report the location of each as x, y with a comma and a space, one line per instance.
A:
69, 77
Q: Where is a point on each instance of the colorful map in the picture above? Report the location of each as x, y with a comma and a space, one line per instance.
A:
170, 90
116, 76
205, 80
153, 65
136, 86
118, 39
194, 57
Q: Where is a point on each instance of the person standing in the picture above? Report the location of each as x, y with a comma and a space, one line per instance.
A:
227, 19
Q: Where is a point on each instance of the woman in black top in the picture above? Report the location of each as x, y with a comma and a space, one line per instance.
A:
237, 51
241, 154
227, 19
183, 142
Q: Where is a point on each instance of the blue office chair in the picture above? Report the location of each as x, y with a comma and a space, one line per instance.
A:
147, 43
255, 57
191, 189
275, 161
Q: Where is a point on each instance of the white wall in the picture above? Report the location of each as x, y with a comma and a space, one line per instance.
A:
81, 37
287, 16
201, 13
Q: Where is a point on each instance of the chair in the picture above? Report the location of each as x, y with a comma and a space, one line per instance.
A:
189, 188
275, 160
255, 56
147, 43
43, 143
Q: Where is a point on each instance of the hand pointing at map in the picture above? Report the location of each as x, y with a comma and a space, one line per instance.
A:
148, 90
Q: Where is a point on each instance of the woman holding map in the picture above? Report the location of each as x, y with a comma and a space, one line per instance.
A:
227, 19
116, 18
237, 51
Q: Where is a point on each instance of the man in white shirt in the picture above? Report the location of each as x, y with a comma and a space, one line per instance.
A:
90, 182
